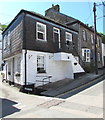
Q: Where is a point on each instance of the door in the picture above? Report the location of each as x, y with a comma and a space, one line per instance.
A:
11, 70
104, 61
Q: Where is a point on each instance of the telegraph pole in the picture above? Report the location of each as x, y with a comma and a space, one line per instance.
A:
95, 39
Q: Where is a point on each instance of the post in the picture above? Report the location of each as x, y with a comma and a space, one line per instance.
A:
95, 39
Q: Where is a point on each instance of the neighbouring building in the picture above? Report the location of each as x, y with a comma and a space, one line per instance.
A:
0, 50
85, 49
36, 47
103, 54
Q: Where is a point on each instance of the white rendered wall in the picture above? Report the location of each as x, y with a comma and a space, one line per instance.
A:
57, 69
9, 63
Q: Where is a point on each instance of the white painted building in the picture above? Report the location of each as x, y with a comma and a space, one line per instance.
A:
0, 49
35, 51
58, 65
103, 54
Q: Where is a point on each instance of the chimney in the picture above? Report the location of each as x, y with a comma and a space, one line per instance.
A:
54, 7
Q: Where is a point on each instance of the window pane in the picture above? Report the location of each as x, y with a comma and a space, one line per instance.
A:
84, 34
40, 36
56, 30
41, 28
41, 31
40, 64
92, 39
0, 45
68, 36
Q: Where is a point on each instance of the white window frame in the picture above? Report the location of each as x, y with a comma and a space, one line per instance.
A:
9, 38
84, 35
0, 44
99, 59
87, 54
58, 32
42, 62
92, 39
4, 42
67, 33
98, 41
37, 31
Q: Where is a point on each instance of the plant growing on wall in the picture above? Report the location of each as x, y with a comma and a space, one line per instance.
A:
103, 38
3, 27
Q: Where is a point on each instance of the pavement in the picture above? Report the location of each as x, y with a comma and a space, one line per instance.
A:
61, 87
86, 104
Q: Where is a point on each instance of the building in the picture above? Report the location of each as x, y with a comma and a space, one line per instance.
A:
0, 50
85, 49
36, 48
103, 54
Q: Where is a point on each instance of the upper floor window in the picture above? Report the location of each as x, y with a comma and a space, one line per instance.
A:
84, 35
41, 31
4, 42
98, 41
9, 38
86, 55
0, 44
92, 39
68, 37
56, 35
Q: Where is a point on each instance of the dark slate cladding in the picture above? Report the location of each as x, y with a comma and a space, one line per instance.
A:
16, 33
30, 42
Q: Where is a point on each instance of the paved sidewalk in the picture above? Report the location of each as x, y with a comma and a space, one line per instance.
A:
60, 87
86, 104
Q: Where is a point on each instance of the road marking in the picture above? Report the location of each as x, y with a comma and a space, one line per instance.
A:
19, 106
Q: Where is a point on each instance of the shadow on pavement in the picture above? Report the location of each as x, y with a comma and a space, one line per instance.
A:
8, 108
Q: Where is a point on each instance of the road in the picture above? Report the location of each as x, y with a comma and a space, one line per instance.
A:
86, 104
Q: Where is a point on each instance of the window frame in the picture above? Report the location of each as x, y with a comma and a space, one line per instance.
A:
4, 42
92, 38
99, 57
84, 35
37, 31
43, 64
58, 32
68, 33
9, 34
98, 41
87, 59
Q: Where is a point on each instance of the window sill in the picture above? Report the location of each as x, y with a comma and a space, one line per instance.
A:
41, 40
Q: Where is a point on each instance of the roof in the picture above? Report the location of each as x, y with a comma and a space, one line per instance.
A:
38, 15
74, 21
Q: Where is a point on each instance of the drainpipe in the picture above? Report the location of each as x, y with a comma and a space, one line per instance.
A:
25, 46
25, 60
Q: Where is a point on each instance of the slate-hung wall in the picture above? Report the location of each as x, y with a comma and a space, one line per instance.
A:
22, 34
51, 44
13, 37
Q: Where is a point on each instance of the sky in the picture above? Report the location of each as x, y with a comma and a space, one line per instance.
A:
82, 11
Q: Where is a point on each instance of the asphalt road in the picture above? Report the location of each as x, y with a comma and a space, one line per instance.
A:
86, 104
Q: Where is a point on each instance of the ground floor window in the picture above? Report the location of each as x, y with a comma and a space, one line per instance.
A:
86, 55
41, 64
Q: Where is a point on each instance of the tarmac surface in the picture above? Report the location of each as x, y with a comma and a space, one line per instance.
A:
61, 88
86, 104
